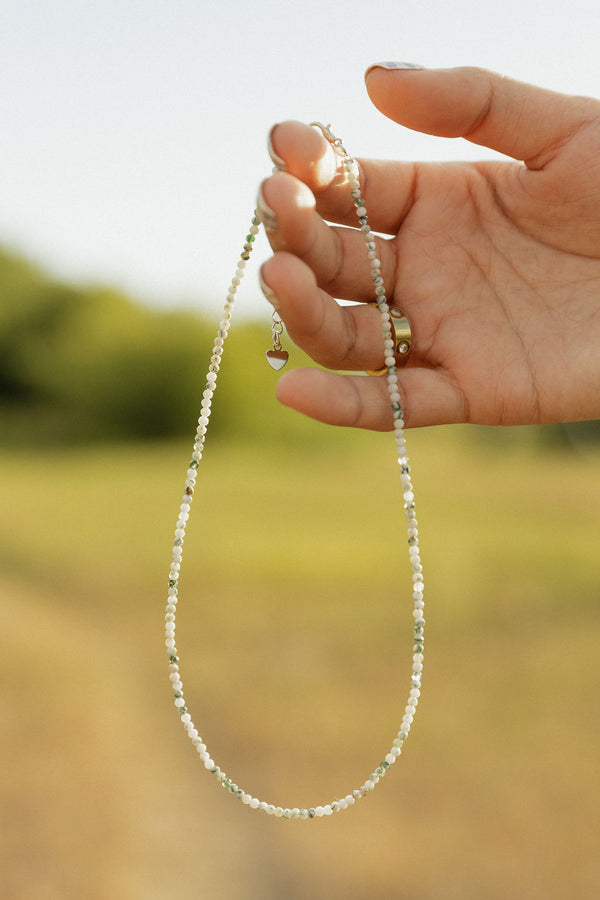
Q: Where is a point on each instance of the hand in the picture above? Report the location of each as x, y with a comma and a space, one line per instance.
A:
496, 264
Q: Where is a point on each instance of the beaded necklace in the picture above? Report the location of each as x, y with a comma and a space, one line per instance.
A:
390, 347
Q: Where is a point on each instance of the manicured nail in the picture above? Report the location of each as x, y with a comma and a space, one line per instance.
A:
269, 294
277, 160
267, 216
393, 65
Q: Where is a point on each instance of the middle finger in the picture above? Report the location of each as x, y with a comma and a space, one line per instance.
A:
337, 255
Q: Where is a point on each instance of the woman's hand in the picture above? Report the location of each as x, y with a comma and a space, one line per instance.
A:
495, 264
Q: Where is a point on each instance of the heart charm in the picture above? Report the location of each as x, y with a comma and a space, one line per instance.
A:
277, 358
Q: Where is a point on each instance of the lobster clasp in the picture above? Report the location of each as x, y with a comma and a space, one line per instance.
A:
335, 142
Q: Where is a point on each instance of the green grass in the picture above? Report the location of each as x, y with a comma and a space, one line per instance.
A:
294, 632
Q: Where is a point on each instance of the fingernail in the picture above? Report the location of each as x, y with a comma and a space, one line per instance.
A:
269, 294
277, 160
267, 216
393, 65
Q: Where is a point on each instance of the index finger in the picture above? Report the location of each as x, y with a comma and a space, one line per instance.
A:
387, 187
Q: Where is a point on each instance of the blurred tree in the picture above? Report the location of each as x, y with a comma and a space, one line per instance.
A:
88, 363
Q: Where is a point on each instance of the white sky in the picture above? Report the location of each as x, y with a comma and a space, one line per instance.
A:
132, 132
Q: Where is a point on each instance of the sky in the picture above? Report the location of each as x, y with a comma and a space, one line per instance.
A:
133, 132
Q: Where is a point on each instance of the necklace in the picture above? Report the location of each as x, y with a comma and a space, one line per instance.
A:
395, 343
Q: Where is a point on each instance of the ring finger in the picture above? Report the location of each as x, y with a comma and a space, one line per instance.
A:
338, 337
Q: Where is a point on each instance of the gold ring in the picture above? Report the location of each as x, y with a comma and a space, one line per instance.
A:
402, 339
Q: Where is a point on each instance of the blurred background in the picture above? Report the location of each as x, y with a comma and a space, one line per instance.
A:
132, 143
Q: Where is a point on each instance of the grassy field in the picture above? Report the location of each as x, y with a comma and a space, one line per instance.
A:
294, 630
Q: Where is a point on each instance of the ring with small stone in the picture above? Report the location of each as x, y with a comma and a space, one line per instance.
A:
402, 339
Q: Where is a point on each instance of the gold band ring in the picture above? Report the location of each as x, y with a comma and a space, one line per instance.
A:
402, 339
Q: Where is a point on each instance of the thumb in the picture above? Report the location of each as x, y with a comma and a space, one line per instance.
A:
517, 119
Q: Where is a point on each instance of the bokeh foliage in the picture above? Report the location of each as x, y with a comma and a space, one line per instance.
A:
87, 363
